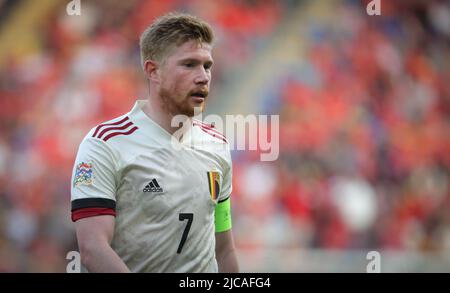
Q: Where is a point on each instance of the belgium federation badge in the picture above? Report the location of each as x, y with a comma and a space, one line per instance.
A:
214, 184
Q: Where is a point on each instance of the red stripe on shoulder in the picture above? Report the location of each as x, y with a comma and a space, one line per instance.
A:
209, 128
91, 212
109, 124
115, 128
120, 133
214, 134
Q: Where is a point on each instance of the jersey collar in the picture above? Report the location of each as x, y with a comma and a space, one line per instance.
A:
145, 122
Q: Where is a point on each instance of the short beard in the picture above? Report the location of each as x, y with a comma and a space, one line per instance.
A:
174, 107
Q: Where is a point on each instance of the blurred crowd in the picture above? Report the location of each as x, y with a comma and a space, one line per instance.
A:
365, 138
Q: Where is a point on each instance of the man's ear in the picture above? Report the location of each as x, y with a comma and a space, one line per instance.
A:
151, 70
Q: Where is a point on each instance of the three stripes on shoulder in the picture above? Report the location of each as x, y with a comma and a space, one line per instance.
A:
106, 131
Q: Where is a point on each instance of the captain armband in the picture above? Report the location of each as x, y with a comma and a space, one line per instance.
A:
222, 215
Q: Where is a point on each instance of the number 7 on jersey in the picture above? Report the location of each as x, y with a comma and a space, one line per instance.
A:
182, 217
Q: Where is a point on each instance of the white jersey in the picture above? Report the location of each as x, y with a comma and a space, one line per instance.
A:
163, 197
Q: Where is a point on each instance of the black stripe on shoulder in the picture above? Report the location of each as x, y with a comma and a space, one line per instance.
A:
93, 203
222, 200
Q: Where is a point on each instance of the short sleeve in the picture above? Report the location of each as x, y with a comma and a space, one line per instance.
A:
227, 173
93, 183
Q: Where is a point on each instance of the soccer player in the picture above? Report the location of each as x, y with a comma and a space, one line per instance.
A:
141, 202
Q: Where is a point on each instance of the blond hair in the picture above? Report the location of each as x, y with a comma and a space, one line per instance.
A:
172, 29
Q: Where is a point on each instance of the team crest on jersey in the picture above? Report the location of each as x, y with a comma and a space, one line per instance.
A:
83, 174
214, 184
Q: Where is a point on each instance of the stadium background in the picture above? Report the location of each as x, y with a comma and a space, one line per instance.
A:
364, 104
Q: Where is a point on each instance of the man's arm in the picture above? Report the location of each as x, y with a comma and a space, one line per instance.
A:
94, 236
226, 253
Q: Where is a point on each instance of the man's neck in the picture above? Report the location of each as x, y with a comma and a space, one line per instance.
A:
159, 115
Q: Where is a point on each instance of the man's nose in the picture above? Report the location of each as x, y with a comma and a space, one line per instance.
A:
202, 77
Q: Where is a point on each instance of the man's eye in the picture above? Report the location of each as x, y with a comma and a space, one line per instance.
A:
189, 65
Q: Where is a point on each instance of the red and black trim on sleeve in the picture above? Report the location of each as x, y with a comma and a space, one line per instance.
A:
90, 207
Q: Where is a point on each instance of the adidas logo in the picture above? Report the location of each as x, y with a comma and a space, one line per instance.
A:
153, 186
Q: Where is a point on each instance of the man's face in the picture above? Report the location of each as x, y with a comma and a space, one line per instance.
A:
185, 77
